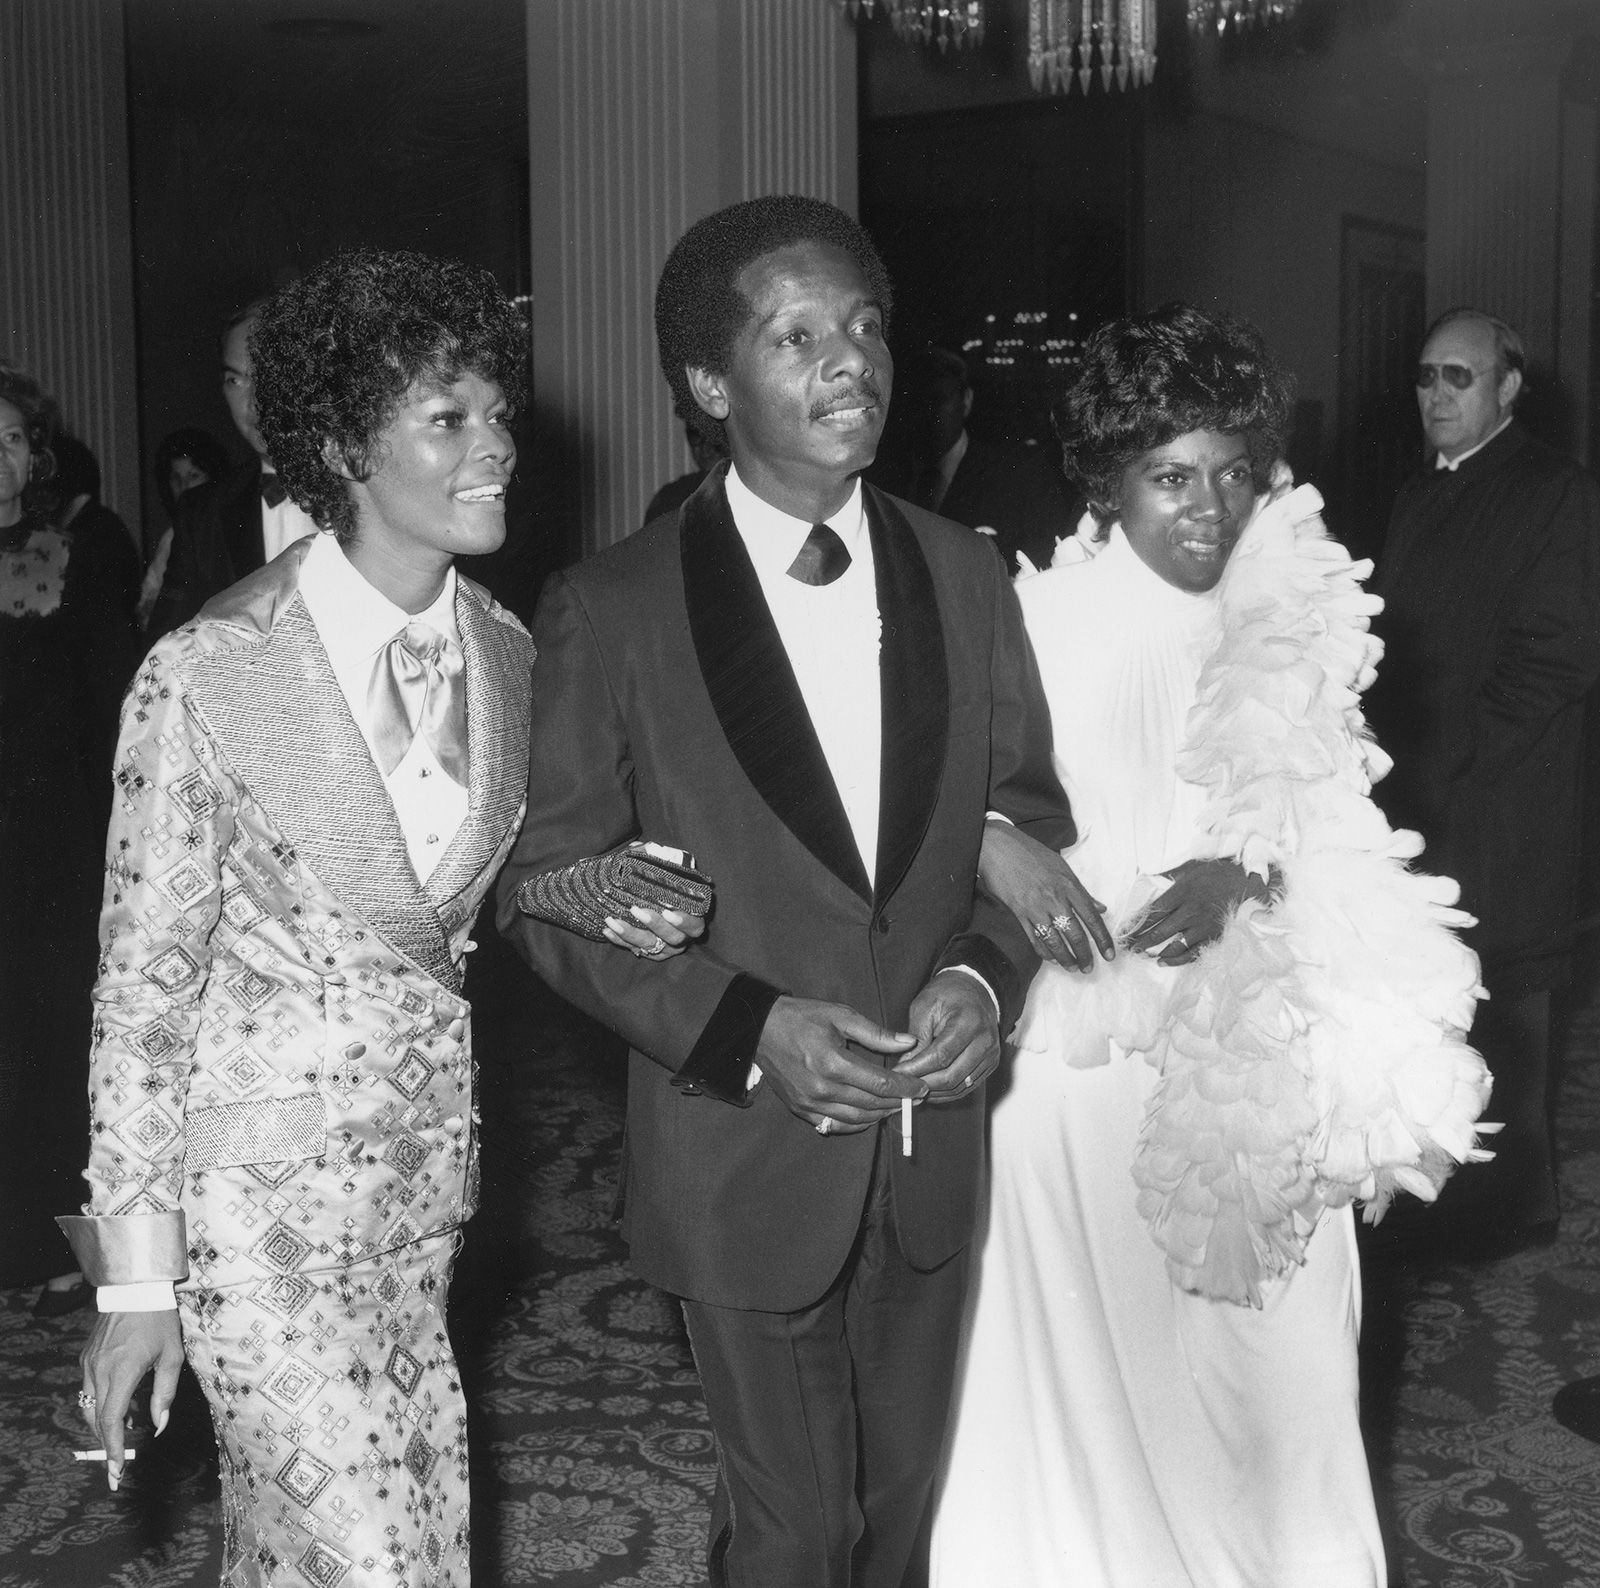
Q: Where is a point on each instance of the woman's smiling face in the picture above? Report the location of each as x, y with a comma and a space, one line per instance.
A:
15, 460
1184, 505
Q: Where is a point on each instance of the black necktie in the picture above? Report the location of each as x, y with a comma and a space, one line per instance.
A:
272, 491
822, 559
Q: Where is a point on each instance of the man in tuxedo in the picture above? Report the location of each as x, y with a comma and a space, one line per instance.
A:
232, 526
819, 691
1015, 495
1491, 585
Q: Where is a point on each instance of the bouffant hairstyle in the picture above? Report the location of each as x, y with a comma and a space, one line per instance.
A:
40, 418
335, 353
699, 308
200, 447
1151, 378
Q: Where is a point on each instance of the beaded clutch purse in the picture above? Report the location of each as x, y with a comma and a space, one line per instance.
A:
579, 897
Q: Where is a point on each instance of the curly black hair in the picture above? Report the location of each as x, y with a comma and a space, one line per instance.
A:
1151, 378
41, 418
334, 354
699, 308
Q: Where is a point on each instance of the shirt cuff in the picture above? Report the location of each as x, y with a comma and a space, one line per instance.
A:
998, 816
967, 970
156, 1296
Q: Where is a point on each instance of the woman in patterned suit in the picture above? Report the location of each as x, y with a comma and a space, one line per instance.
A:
316, 783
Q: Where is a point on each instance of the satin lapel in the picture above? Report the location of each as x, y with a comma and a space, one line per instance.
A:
915, 689
499, 661
281, 719
753, 689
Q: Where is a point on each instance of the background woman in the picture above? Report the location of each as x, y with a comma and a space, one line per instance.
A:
66, 651
185, 458
1160, 1381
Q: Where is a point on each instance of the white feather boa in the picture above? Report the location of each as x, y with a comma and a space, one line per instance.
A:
1315, 1054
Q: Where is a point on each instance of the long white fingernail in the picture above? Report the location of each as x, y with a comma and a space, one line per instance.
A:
113, 1475
161, 1422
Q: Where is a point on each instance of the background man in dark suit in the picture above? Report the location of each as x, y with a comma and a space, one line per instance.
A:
234, 525
1015, 495
718, 682
1491, 579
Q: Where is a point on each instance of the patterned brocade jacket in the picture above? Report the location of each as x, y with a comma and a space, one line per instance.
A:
282, 1075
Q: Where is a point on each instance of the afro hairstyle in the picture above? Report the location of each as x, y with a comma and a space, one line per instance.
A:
699, 307
335, 354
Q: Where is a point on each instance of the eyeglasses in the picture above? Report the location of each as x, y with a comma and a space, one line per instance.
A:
1460, 376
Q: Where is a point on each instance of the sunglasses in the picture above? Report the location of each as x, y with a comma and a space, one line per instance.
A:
1460, 376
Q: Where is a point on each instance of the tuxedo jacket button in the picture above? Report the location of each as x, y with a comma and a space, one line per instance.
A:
882, 923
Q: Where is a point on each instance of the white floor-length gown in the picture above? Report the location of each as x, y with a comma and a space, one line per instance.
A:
1110, 1429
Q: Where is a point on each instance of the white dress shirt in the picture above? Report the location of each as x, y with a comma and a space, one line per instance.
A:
831, 633
354, 621
283, 525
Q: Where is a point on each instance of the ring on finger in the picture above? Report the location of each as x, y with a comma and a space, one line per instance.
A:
825, 1126
1042, 930
85, 1401
1061, 923
658, 946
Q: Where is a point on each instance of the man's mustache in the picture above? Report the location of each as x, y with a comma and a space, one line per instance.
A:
857, 397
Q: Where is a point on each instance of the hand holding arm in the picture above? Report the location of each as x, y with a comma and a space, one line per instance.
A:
123, 1347
1042, 891
804, 1056
1192, 913
654, 934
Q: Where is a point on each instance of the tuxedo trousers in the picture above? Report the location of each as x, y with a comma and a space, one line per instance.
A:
829, 1420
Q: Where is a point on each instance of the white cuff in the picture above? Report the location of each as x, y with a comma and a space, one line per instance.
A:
967, 970
998, 816
155, 1296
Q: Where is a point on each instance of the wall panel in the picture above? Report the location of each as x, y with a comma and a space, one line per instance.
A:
66, 286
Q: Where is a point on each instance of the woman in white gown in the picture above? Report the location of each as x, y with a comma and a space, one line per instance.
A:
1159, 1388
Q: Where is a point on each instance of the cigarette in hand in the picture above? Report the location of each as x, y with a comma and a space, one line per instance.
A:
905, 1127
100, 1455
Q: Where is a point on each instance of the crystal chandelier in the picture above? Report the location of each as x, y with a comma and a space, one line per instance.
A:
1219, 14
1074, 41
941, 22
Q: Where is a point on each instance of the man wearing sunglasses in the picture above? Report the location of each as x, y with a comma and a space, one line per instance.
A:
1491, 581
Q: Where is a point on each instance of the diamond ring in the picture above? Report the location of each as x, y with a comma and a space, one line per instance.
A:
825, 1127
1042, 931
85, 1401
1061, 923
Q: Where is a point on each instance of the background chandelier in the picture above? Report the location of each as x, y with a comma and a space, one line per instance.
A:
1219, 14
941, 22
1073, 41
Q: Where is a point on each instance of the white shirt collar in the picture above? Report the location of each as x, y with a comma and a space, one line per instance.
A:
354, 619
1452, 464
774, 539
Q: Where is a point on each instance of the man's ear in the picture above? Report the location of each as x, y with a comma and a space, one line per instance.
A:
1510, 385
966, 404
708, 390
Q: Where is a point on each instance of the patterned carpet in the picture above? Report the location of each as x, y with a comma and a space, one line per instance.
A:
593, 1461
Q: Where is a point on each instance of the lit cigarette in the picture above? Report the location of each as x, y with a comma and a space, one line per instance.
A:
905, 1127
100, 1455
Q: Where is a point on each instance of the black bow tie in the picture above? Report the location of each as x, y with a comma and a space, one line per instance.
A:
822, 559
272, 491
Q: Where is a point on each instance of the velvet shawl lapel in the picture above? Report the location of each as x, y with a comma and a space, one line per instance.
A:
762, 713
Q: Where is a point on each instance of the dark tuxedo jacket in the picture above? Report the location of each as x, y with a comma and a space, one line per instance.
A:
1491, 625
1014, 492
665, 706
216, 541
